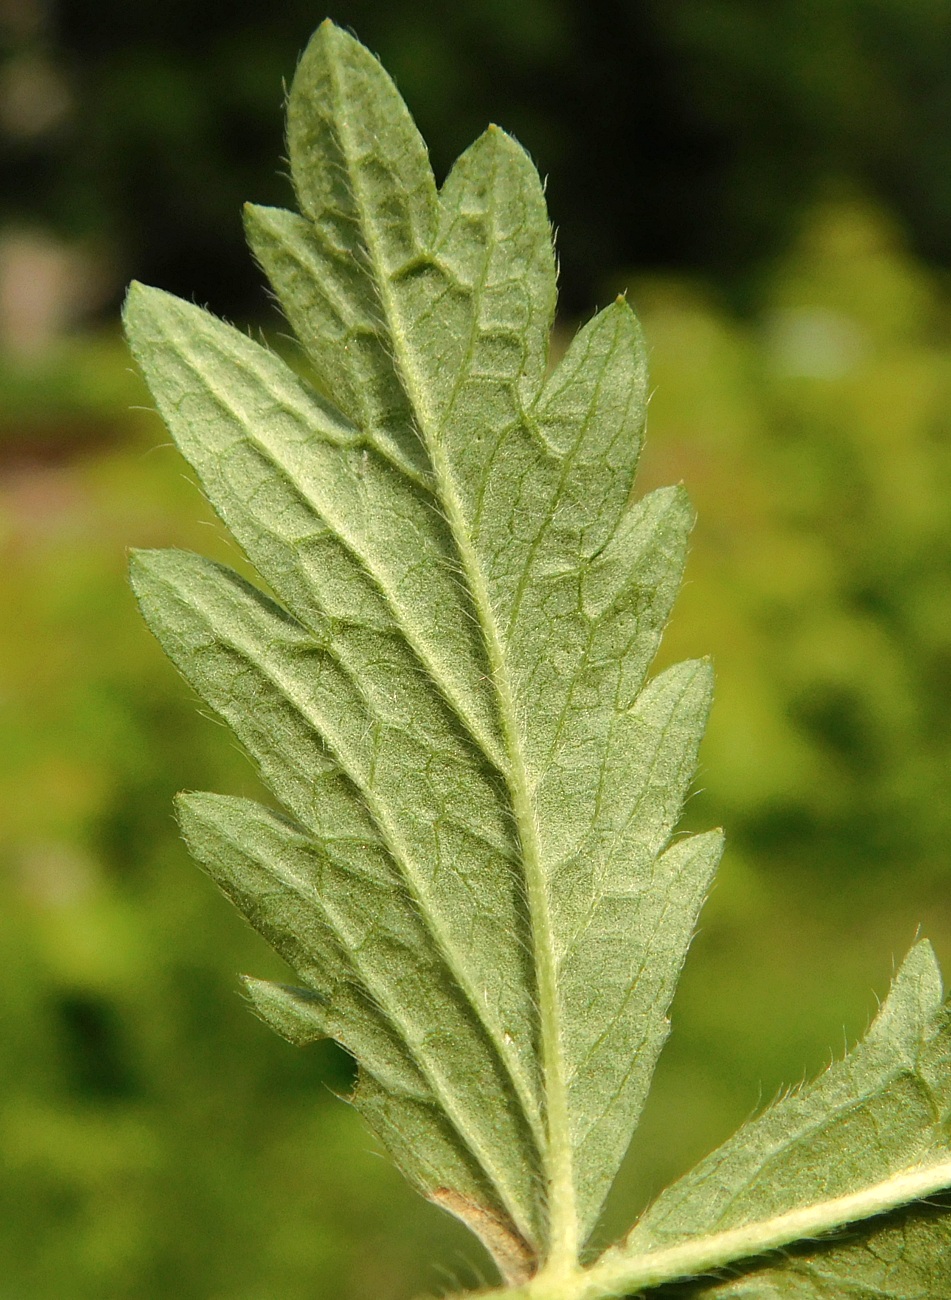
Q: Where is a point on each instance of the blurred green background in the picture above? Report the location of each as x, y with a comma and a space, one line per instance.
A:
772, 184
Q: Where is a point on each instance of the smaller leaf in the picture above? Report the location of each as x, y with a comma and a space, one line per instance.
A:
870, 1135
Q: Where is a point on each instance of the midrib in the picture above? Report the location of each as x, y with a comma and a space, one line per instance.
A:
621, 1273
563, 1231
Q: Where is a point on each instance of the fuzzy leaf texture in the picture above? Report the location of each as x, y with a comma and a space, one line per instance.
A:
471, 867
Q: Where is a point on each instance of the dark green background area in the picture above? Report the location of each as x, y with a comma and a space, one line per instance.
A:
676, 133
770, 183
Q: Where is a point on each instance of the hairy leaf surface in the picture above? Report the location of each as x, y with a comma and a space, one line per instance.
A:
472, 871
443, 679
881, 1112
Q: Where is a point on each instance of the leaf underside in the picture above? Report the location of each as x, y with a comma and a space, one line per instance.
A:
870, 1134
470, 867
904, 1256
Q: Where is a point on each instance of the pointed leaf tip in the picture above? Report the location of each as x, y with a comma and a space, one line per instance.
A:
140, 565
294, 1013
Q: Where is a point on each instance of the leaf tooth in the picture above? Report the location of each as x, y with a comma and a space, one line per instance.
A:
617, 982
243, 620
357, 159
332, 303
641, 761
918, 982
666, 723
593, 406
294, 1013
645, 553
165, 331
500, 321
434, 1158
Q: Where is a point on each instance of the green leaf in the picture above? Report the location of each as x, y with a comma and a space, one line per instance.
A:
872, 1117
473, 874
471, 867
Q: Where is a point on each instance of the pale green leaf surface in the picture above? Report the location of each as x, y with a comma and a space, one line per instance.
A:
477, 886
884, 1109
383, 796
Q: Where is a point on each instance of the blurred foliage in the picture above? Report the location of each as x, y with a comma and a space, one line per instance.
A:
157, 1140
677, 133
